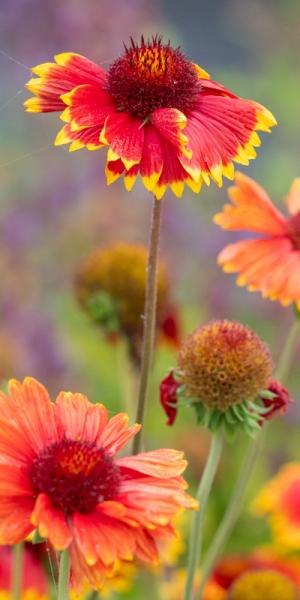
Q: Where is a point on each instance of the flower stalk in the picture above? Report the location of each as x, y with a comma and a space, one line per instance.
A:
149, 318
64, 576
204, 489
17, 571
236, 502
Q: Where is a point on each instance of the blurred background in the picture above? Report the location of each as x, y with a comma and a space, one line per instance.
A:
55, 207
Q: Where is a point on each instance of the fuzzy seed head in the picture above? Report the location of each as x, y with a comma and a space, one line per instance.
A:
223, 363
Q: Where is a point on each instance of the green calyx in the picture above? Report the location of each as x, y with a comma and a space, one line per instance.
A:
103, 309
246, 417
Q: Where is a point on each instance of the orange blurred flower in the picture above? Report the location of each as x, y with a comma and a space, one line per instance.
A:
271, 263
280, 501
59, 474
159, 114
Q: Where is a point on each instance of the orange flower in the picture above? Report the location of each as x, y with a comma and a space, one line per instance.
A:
280, 501
59, 474
159, 114
271, 263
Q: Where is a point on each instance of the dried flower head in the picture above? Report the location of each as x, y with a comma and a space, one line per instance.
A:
110, 287
263, 585
158, 113
61, 476
222, 368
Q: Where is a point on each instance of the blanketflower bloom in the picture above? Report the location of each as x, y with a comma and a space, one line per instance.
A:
59, 474
110, 286
271, 263
276, 400
159, 114
279, 500
223, 370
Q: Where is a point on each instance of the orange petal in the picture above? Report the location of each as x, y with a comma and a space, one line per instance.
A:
15, 524
116, 433
292, 200
51, 523
79, 418
162, 463
251, 209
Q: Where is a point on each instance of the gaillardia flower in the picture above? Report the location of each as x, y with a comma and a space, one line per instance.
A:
223, 368
159, 114
34, 581
110, 286
279, 500
59, 474
271, 263
263, 585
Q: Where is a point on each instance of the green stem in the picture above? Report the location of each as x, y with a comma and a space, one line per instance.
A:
236, 501
204, 488
149, 318
17, 571
64, 576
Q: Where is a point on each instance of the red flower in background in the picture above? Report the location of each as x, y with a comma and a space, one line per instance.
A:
34, 577
279, 403
159, 114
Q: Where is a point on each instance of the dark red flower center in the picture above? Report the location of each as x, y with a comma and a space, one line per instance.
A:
150, 76
75, 475
293, 225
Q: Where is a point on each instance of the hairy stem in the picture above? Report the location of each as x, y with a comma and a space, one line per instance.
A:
17, 571
204, 488
64, 576
149, 318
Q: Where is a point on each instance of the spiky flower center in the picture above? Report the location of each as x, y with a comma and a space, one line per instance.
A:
293, 225
263, 585
152, 75
75, 475
223, 364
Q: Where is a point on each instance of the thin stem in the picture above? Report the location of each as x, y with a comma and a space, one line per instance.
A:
64, 576
149, 318
17, 571
286, 356
204, 488
236, 501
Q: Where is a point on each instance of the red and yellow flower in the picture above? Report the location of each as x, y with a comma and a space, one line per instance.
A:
279, 500
59, 474
159, 114
34, 583
271, 263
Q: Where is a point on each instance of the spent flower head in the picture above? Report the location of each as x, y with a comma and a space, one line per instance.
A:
159, 115
223, 367
110, 286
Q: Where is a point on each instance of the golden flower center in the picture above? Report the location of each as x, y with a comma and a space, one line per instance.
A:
152, 75
263, 585
75, 475
293, 225
224, 363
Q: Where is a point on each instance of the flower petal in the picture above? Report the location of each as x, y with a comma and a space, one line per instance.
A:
251, 209
292, 200
162, 463
88, 105
152, 160
79, 419
34, 412
55, 79
15, 525
173, 173
116, 433
125, 135
51, 523
84, 138
169, 122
